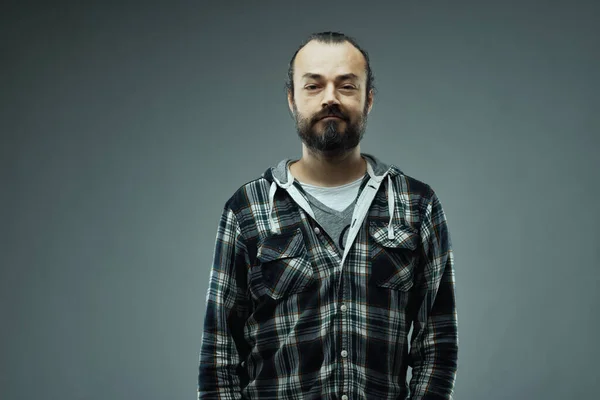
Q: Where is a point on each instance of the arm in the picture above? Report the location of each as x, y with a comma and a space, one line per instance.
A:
226, 312
434, 341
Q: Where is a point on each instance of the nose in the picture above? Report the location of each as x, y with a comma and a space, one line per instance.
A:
330, 96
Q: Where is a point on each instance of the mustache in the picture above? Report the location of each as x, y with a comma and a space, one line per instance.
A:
330, 112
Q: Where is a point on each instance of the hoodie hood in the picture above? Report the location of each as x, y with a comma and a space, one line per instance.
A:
280, 171
280, 177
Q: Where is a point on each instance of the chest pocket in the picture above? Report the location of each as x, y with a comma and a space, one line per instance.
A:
393, 261
285, 266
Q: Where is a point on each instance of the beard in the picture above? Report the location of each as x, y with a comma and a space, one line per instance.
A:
330, 139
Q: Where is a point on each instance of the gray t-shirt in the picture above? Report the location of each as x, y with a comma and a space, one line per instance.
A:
335, 223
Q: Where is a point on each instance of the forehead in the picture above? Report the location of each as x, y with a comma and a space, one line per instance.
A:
329, 60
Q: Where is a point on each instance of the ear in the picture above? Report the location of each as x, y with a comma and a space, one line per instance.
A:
370, 99
290, 99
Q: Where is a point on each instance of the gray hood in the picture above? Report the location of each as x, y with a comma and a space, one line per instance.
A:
280, 171
281, 178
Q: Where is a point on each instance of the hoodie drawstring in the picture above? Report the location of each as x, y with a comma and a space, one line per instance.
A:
272, 190
390, 207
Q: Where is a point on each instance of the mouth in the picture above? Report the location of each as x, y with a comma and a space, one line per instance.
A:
331, 117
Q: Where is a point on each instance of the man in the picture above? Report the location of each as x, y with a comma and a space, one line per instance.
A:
322, 264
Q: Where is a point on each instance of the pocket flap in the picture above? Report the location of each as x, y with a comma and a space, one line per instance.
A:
405, 236
283, 245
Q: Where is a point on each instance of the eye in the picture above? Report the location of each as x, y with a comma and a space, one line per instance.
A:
349, 87
310, 87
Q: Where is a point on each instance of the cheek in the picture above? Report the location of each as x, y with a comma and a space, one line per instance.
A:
301, 114
306, 114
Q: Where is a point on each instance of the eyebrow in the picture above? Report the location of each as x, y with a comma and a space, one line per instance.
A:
343, 77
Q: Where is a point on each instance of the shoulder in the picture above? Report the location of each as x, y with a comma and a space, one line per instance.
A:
409, 185
248, 195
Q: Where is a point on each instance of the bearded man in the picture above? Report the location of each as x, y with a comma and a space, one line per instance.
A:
322, 265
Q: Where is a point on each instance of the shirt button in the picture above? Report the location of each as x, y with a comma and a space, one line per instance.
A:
344, 397
344, 353
317, 230
343, 307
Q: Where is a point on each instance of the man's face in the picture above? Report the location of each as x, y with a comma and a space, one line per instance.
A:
330, 80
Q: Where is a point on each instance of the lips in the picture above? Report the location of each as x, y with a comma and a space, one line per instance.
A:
331, 116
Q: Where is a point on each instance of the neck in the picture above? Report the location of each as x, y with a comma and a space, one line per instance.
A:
320, 170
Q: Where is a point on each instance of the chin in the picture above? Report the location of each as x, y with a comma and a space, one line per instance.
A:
335, 153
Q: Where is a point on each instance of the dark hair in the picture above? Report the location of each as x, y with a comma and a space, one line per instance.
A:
329, 38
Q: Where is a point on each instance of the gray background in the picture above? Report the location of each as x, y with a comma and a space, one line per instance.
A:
125, 128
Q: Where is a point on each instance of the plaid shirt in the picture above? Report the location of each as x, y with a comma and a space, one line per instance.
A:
289, 317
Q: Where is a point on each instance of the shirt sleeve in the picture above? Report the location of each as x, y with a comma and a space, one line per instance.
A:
434, 341
226, 312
